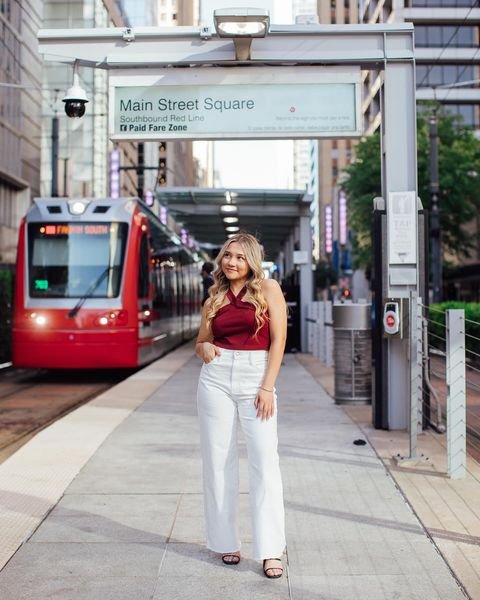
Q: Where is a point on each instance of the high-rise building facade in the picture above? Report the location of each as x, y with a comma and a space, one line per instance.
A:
83, 144
304, 7
84, 147
301, 10
181, 166
447, 56
20, 113
331, 156
447, 53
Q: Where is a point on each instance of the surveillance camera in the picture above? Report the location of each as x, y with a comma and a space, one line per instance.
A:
75, 100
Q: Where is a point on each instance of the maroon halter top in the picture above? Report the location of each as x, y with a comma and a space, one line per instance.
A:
234, 326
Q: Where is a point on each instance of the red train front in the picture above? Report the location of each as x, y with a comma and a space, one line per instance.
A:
101, 283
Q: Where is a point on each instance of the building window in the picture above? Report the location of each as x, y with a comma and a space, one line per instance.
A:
465, 111
431, 75
436, 36
11, 10
442, 3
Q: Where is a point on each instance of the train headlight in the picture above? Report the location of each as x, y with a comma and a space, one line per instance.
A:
40, 320
77, 207
113, 318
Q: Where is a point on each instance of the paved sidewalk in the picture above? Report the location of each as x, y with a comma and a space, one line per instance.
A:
449, 509
130, 524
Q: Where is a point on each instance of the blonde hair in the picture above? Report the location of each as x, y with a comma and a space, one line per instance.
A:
217, 292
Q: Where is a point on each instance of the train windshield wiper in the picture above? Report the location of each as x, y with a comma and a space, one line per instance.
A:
89, 293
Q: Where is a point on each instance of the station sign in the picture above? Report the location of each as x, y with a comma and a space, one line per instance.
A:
235, 103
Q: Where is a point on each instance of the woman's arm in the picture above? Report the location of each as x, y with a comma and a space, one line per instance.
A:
277, 311
204, 347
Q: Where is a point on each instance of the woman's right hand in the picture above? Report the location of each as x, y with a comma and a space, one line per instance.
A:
208, 351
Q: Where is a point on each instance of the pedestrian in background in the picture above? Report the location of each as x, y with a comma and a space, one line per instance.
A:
207, 279
241, 343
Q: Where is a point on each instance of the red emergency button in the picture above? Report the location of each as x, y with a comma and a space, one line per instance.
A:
391, 320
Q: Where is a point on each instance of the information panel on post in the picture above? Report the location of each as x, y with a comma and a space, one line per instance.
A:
402, 236
235, 103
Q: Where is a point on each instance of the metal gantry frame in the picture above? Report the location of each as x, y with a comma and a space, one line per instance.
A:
384, 47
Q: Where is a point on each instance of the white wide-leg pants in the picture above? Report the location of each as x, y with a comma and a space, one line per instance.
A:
227, 390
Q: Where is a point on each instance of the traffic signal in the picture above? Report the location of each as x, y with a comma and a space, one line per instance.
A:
346, 294
162, 171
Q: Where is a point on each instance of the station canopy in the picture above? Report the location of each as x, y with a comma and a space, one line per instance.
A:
270, 215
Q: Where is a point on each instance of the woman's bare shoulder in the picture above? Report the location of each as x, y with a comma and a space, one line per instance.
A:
271, 287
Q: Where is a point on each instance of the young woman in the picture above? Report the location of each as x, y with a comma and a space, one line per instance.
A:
241, 343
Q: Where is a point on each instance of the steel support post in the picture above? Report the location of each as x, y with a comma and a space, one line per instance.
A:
435, 231
399, 174
306, 275
54, 156
413, 427
415, 372
415, 356
456, 406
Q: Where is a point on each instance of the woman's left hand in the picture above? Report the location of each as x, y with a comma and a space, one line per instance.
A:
265, 405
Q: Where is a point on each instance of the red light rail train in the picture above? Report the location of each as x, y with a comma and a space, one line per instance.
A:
101, 283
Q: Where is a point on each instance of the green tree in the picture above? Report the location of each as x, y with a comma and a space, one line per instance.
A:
459, 179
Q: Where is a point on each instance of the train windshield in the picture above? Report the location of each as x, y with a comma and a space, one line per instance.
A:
66, 259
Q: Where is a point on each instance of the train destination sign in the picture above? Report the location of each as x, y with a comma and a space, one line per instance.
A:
73, 229
252, 105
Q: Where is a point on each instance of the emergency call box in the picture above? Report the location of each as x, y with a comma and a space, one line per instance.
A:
392, 318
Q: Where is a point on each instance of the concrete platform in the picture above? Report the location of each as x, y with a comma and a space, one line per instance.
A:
107, 503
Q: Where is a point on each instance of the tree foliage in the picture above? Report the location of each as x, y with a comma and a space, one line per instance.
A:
459, 181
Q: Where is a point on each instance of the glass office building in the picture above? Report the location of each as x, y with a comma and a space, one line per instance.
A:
20, 111
446, 52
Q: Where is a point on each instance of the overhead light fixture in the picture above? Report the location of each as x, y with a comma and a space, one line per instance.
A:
232, 229
241, 22
228, 208
230, 219
77, 207
241, 25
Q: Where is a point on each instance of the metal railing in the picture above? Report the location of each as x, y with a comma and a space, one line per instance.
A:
320, 332
445, 375
452, 383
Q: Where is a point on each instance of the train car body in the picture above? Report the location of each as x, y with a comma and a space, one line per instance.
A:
101, 283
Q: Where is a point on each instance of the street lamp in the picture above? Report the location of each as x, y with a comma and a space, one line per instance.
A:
241, 25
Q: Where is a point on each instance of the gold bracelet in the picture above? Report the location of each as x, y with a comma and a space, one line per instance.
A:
262, 388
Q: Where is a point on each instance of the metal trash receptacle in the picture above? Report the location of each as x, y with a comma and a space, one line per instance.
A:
352, 353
